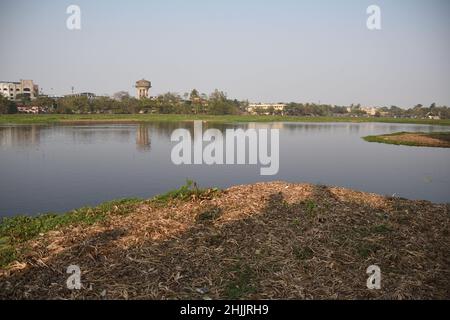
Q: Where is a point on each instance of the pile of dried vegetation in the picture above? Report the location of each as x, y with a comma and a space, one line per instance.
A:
415, 139
262, 241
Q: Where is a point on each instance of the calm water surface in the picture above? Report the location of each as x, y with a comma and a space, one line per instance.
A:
55, 168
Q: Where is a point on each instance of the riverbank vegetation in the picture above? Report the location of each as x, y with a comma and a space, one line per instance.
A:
216, 103
15, 231
261, 241
417, 139
131, 118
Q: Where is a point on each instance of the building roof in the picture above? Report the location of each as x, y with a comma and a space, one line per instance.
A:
15, 82
143, 83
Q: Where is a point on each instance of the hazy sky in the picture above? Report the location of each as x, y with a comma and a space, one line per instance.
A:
268, 51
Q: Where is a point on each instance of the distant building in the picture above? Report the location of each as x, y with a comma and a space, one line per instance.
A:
254, 107
88, 95
119, 96
31, 109
142, 88
433, 116
371, 111
26, 88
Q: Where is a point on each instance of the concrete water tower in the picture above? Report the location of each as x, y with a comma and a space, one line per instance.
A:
142, 88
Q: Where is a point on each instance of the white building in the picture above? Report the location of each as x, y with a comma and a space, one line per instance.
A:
31, 109
254, 107
371, 111
11, 90
88, 95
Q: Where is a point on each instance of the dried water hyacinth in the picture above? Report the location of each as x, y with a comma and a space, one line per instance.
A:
261, 241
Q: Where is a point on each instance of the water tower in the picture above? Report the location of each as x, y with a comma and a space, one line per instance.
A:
142, 88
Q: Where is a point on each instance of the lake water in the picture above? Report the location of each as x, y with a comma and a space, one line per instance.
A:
55, 168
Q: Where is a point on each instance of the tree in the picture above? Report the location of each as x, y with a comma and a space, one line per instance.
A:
45, 102
396, 111
130, 105
444, 112
220, 105
196, 102
339, 110
119, 96
104, 105
169, 103
7, 106
72, 104
147, 105
418, 111
24, 98
194, 96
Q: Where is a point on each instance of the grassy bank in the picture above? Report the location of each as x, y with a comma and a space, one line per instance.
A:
16, 231
53, 118
417, 139
262, 241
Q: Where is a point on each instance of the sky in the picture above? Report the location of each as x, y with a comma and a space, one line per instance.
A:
260, 50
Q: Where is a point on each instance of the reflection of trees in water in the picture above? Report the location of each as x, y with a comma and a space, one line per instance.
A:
84, 133
95, 133
165, 129
90, 134
298, 128
20, 135
143, 141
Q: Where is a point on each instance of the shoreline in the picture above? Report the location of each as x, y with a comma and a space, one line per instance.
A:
135, 118
261, 241
413, 139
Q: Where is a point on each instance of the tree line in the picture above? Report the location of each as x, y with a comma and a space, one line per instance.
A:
418, 111
216, 103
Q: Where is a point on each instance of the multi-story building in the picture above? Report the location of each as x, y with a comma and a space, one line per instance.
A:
88, 95
265, 108
371, 111
13, 90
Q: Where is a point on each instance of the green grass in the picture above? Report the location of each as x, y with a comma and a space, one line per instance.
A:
385, 138
15, 231
310, 207
19, 229
57, 118
188, 191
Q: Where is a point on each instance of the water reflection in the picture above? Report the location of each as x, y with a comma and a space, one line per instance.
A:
46, 168
143, 138
32, 135
19, 135
26, 136
91, 135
